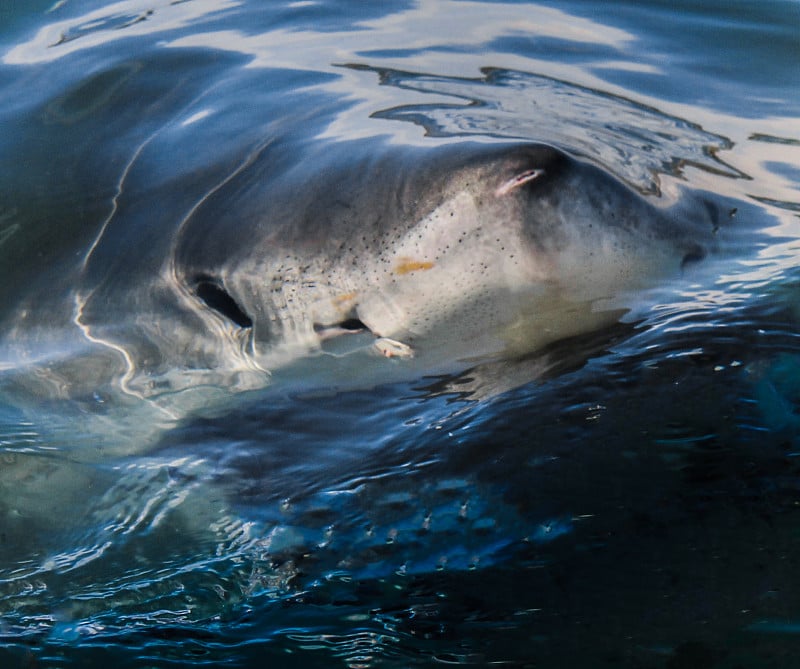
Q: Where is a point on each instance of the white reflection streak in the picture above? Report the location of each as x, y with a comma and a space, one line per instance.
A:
80, 305
412, 40
67, 562
468, 22
194, 118
81, 299
58, 5
431, 24
115, 199
47, 44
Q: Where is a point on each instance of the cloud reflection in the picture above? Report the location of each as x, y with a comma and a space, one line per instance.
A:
126, 19
431, 25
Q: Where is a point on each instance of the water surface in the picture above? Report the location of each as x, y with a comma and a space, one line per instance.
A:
628, 499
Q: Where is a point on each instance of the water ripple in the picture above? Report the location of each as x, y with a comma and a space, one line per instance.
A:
636, 142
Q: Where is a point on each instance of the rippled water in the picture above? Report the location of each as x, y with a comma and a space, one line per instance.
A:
627, 497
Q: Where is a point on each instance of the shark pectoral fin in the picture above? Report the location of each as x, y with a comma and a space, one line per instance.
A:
391, 348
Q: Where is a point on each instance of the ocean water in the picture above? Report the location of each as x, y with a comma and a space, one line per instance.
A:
628, 497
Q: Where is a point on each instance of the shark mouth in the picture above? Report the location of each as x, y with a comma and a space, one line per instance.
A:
348, 326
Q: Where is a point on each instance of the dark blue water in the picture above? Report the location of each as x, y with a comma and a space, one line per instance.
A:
626, 498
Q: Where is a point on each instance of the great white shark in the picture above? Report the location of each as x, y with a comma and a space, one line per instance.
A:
462, 253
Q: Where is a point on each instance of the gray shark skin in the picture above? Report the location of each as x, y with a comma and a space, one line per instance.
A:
465, 252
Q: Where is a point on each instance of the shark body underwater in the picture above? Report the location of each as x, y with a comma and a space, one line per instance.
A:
468, 252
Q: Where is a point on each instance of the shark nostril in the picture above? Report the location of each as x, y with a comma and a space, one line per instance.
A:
693, 256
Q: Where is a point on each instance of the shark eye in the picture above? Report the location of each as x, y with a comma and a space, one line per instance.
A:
518, 180
211, 292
